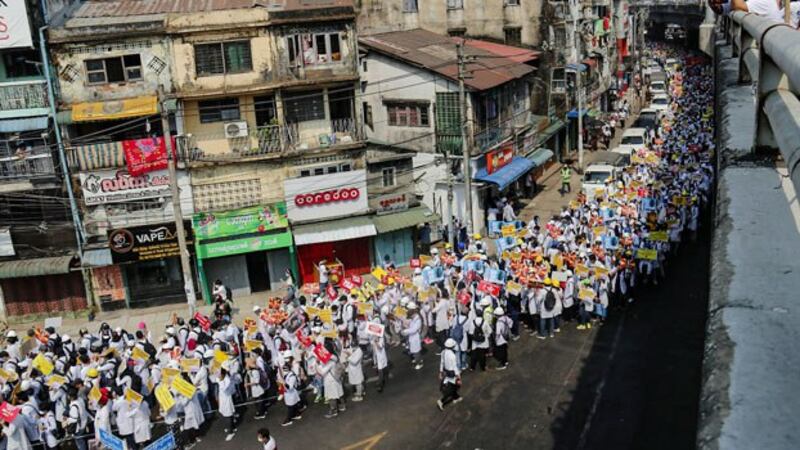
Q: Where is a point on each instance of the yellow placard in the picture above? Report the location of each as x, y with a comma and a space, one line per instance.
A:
364, 308
7, 375
139, 354
330, 333
636, 159
648, 254
183, 387
56, 380
679, 200
169, 372
586, 294
522, 233
513, 288
312, 311
558, 260
581, 270
220, 356
600, 271
508, 230
424, 260
599, 231
516, 256
400, 312
133, 396
378, 273
164, 397
252, 344
190, 364
43, 365
325, 315
658, 236
573, 204
94, 393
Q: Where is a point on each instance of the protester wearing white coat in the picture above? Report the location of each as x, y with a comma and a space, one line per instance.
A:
141, 423
123, 412
380, 358
333, 386
226, 388
15, 435
355, 372
412, 333
193, 416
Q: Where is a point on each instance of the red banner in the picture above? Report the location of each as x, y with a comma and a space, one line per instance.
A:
145, 155
8, 412
322, 354
489, 288
464, 297
495, 160
414, 263
303, 339
357, 280
348, 284
205, 324
331, 291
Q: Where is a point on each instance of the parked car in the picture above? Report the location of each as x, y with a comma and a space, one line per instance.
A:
632, 140
598, 176
648, 119
660, 102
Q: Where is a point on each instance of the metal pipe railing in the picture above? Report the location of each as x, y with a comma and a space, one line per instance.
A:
769, 57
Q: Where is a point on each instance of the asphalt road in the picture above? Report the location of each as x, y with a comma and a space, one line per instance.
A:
631, 383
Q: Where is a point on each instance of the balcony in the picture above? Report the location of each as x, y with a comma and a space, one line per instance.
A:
18, 161
21, 95
270, 140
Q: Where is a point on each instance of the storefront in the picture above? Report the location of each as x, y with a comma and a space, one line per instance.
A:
248, 249
149, 260
41, 286
328, 222
505, 172
396, 224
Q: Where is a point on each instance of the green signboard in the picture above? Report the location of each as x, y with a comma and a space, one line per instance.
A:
256, 219
244, 245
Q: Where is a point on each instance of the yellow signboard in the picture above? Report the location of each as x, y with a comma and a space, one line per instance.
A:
586, 294
164, 397
43, 365
513, 288
169, 372
94, 394
252, 344
183, 387
658, 236
364, 308
220, 356
508, 230
115, 109
378, 273
133, 396
648, 254
581, 270
139, 354
312, 311
400, 312
190, 364
325, 315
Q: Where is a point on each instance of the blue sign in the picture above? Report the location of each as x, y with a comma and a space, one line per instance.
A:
495, 276
470, 265
648, 204
505, 243
110, 441
165, 442
432, 275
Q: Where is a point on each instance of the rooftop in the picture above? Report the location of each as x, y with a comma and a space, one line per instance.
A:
489, 66
123, 8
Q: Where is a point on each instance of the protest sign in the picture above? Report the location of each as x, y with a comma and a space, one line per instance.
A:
322, 354
647, 254
183, 387
190, 364
43, 365
513, 288
164, 397
375, 329
133, 396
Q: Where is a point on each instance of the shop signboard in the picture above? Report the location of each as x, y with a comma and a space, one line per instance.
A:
244, 245
256, 219
144, 243
15, 31
388, 204
326, 196
497, 159
115, 186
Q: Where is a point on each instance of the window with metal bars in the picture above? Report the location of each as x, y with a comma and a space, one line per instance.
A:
221, 110
448, 123
118, 69
304, 106
222, 57
408, 114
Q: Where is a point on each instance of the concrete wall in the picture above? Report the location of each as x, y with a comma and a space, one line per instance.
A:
70, 58
404, 180
478, 18
270, 176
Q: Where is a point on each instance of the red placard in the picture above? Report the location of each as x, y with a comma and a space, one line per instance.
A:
322, 354
205, 324
357, 280
348, 284
303, 339
8, 412
145, 155
331, 291
414, 263
489, 288
464, 297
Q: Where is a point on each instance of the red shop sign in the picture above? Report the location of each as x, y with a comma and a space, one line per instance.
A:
497, 159
331, 196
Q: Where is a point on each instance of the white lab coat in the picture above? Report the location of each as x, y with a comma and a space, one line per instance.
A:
379, 352
193, 411
442, 319
225, 396
487, 331
141, 423
412, 333
15, 434
102, 420
449, 362
355, 372
333, 386
290, 395
124, 418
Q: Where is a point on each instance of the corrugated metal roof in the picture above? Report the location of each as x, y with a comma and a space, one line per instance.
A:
405, 219
121, 8
55, 265
438, 53
516, 54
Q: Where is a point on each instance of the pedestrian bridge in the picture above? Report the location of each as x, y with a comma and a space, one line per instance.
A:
750, 397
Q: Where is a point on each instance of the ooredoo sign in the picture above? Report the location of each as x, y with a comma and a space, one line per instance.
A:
325, 196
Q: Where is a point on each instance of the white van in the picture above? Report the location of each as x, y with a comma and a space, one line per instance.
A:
658, 87
660, 103
595, 178
633, 139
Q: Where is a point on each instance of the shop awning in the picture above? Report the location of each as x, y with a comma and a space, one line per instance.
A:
540, 156
404, 219
98, 257
26, 124
577, 67
510, 173
55, 265
115, 109
334, 230
574, 113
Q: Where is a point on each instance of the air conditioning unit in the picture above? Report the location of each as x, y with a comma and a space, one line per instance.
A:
236, 129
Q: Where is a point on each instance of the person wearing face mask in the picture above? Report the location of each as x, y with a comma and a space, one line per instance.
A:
266, 440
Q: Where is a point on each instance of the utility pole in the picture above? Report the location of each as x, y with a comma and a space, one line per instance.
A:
578, 76
186, 267
466, 138
450, 231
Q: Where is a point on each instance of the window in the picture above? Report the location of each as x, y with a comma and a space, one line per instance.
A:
118, 69
387, 175
513, 36
304, 106
222, 110
325, 169
313, 49
455, 4
410, 6
512, 2
457, 32
21, 63
408, 114
222, 57
367, 113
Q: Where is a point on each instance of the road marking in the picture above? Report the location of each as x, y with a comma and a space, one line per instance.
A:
367, 443
599, 391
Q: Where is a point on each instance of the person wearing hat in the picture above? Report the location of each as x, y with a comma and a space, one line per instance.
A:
193, 417
449, 375
13, 345
412, 334
502, 334
479, 331
379, 357
355, 372
258, 384
331, 373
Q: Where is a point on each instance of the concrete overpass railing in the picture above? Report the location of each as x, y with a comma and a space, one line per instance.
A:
769, 58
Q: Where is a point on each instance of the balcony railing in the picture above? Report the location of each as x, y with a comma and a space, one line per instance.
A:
15, 95
18, 162
268, 140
